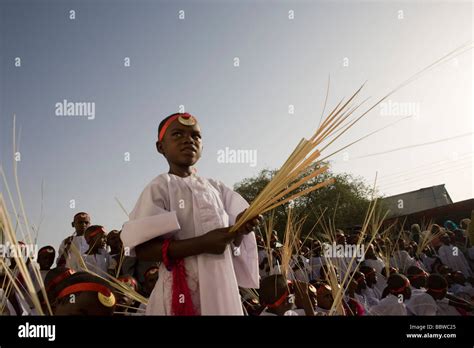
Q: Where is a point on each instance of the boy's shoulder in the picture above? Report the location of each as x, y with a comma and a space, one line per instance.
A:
161, 182
158, 181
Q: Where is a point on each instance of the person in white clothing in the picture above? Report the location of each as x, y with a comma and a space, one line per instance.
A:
452, 257
74, 245
396, 293
184, 221
96, 258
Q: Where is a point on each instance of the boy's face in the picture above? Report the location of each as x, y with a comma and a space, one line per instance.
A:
81, 223
45, 260
371, 277
114, 241
99, 241
181, 145
325, 299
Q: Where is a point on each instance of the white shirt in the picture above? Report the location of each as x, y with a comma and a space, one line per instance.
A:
445, 309
37, 284
421, 303
186, 208
78, 246
371, 295
402, 260
389, 305
454, 258
98, 263
378, 264
464, 291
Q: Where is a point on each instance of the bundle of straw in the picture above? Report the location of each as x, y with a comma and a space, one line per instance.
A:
290, 242
26, 291
284, 185
372, 224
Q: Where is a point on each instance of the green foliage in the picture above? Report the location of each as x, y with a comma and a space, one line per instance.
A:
346, 202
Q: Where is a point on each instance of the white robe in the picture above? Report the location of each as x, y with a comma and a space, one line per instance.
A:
81, 247
80, 244
372, 296
99, 263
453, 258
363, 300
187, 208
378, 264
421, 303
444, 308
380, 286
389, 306
402, 260
466, 291
36, 281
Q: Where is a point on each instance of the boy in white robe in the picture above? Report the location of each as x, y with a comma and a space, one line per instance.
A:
397, 292
461, 287
194, 214
452, 257
75, 244
372, 260
437, 288
96, 258
276, 295
44, 261
371, 292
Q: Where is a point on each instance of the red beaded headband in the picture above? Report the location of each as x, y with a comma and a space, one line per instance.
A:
60, 278
105, 296
97, 231
279, 301
399, 290
185, 118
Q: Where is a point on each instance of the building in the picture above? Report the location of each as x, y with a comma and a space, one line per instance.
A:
432, 204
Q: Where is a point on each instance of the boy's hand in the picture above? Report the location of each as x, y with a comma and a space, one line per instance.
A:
249, 225
215, 241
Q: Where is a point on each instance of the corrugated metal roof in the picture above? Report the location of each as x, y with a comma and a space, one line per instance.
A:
415, 201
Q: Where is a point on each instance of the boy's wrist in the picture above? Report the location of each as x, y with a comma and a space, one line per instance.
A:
201, 244
238, 240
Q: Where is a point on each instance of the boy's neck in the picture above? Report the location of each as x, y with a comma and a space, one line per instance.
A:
181, 171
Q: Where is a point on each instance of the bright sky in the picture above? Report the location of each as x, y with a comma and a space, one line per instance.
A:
285, 52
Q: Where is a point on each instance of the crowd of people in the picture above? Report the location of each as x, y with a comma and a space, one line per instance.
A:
188, 250
394, 276
401, 275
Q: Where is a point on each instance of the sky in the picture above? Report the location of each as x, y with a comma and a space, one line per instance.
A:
255, 75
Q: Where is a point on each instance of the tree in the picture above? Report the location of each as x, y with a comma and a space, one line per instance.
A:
346, 201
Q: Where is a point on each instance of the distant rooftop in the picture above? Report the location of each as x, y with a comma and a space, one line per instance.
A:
415, 201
